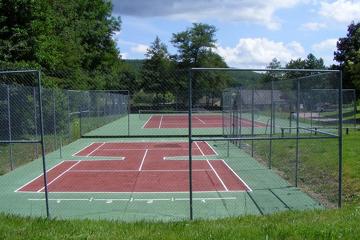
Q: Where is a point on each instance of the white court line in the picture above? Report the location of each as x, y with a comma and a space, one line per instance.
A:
216, 154
83, 149
161, 120
143, 126
38, 176
200, 199
132, 170
237, 176
200, 120
212, 168
59, 176
143, 159
102, 144
181, 192
142, 149
149, 200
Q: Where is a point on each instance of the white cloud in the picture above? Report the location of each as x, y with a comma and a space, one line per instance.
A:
124, 55
343, 11
325, 49
258, 52
139, 48
313, 26
258, 11
326, 45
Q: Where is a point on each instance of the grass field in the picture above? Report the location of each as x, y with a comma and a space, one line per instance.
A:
327, 224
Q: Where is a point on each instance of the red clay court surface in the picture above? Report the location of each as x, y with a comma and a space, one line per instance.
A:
143, 168
202, 121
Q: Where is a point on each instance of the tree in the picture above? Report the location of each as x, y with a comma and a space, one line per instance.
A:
17, 39
348, 56
195, 49
193, 43
61, 36
155, 72
272, 75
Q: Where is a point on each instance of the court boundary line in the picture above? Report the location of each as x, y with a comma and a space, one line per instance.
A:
143, 126
250, 190
160, 121
97, 148
132, 199
27, 183
216, 153
143, 160
213, 169
89, 144
180, 192
60, 175
200, 120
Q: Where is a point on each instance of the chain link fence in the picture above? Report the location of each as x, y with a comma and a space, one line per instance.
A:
195, 144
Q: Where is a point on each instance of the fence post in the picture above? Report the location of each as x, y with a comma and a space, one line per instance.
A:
340, 140
190, 144
69, 116
271, 123
129, 111
297, 132
252, 120
9, 128
54, 119
355, 108
36, 123
42, 143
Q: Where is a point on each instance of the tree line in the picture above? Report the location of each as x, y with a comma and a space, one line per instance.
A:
72, 42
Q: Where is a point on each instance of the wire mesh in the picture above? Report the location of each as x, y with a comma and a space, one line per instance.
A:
271, 142
254, 145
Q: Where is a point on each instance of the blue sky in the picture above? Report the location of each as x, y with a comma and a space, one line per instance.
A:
249, 32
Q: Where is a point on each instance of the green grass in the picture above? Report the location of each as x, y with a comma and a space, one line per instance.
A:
328, 224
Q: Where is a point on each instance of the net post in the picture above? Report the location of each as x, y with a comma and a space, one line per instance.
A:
340, 139
297, 131
190, 143
42, 143
9, 128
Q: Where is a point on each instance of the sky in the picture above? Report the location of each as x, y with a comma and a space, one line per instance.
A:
250, 33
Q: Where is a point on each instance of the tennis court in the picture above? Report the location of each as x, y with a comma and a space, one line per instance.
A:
139, 167
205, 120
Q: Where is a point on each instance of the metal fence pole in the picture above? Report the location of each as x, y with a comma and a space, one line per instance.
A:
69, 116
36, 123
252, 120
297, 132
9, 128
54, 119
42, 143
190, 144
271, 123
240, 116
355, 107
129, 111
340, 141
